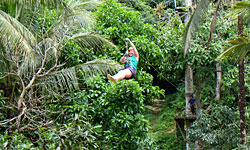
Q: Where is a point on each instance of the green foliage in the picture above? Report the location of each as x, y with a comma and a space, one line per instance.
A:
172, 63
16, 141
46, 19
218, 129
75, 129
247, 80
203, 61
116, 109
74, 55
124, 125
118, 22
230, 78
163, 130
167, 141
104, 115
202, 57
143, 7
150, 92
164, 121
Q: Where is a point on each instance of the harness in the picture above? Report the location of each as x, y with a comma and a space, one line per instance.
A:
129, 62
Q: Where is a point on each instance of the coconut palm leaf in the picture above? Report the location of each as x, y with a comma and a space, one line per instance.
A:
49, 3
91, 40
15, 34
193, 23
74, 17
241, 9
18, 44
58, 81
100, 66
70, 24
85, 4
240, 48
67, 78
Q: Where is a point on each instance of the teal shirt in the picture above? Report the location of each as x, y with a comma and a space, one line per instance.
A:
132, 61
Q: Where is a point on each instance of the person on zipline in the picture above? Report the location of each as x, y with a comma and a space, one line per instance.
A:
130, 60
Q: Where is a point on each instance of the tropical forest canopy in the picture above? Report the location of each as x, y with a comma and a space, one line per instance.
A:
55, 57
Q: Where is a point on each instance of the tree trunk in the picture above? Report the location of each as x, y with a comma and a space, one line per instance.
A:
188, 77
241, 89
218, 85
198, 108
188, 4
197, 96
188, 90
242, 102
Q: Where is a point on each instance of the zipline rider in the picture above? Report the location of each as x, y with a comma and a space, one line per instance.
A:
130, 60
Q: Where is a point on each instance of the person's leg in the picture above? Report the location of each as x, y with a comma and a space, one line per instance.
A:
192, 109
126, 73
123, 74
111, 78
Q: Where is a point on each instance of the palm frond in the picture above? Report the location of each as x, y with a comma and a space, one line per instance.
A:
15, 34
58, 82
87, 5
99, 66
240, 48
241, 8
48, 3
45, 56
18, 44
193, 23
68, 79
48, 48
91, 40
75, 17
70, 23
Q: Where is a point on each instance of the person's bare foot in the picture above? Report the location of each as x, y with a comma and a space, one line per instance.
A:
111, 78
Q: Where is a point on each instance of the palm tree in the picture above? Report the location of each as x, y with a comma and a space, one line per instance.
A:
30, 68
190, 29
237, 53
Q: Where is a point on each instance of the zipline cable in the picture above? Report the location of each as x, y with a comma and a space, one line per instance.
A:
158, 71
153, 68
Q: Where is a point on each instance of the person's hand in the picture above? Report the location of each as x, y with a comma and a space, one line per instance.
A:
127, 40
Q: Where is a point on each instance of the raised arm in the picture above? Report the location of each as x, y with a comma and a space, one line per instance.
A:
136, 54
122, 60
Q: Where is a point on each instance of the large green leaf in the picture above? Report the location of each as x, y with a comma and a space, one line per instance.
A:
49, 3
241, 9
18, 45
68, 79
91, 40
15, 35
240, 48
193, 23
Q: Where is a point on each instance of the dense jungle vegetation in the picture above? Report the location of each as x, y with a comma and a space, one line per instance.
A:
56, 54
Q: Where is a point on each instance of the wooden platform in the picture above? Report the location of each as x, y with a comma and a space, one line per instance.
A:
183, 123
191, 117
